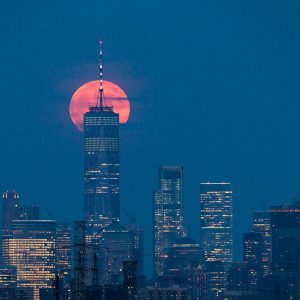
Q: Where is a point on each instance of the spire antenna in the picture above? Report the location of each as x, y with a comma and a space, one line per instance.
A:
101, 75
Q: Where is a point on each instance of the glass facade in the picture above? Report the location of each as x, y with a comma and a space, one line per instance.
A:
167, 215
101, 159
216, 221
30, 247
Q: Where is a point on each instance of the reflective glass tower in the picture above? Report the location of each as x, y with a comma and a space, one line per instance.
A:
168, 224
216, 221
101, 161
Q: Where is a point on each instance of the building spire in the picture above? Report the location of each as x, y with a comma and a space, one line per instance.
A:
101, 75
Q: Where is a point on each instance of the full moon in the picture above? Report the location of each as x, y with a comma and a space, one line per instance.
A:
88, 95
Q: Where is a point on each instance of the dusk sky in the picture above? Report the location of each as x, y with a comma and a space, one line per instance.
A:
213, 86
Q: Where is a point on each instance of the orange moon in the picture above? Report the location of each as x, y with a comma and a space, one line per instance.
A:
88, 94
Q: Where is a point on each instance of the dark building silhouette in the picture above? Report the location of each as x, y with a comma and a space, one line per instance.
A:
216, 272
30, 212
63, 256
216, 221
168, 225
238, 277
253, 258
116, 246
261, 223
284, 281
184, 268
130, 280
10, 209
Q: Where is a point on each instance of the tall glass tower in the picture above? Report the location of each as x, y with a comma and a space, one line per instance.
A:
101, 161
168, 224
216, 221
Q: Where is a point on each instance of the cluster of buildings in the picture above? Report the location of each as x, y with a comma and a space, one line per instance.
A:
104, 258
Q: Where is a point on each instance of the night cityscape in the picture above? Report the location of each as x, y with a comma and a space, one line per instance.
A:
150, 150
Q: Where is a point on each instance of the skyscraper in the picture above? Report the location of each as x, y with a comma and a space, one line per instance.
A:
116, 246
253, 253
285, 233
168, 224
216, 221
284, 281
261, 223
101, 160
10, 210
63, 254
30, 247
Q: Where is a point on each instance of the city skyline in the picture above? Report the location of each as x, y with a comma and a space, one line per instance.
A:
214, 93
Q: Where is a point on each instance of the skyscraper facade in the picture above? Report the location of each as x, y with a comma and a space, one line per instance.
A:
168, 225
253, 254
116, 246
10, 209
30, 247
216, 221
285, 233
63, 254
101, 161
261, 223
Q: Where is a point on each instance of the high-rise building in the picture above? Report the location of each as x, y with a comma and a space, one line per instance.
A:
10, 209
138, 251
261, 223
30, 247
216, 273
184, 268
101, 161
285, 262
168, 225
285, 233
116, 246
216, 221
184, 254
63, 255
253, 253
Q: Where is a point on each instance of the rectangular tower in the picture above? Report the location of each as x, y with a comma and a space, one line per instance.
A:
101, 159
168, 224
261, 223
10, 209
30, 247
216, 221
63, 255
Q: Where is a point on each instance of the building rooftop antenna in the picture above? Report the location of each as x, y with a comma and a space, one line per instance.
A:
101, 75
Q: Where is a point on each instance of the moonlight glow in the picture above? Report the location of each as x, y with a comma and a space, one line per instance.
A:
88, 94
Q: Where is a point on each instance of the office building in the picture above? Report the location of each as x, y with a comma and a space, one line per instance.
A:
30, 247
261, 223
216, 221
10, 209
101, 161
168, 225
63, 255
116, 246
253, 254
